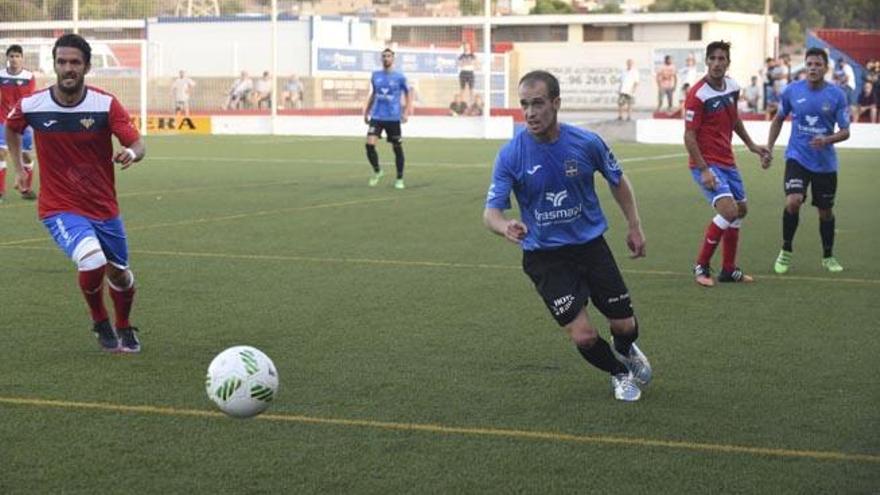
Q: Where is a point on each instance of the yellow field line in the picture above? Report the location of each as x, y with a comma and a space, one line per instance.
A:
465, 431
324, 161
239, 216
433, 264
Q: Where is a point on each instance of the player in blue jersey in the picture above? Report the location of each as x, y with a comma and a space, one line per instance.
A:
815, 107
550, 168
383, 111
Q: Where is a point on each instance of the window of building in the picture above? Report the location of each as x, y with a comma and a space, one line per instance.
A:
695, 31
622, 32
530, 33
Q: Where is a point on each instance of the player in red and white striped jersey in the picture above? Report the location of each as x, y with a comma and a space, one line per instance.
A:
74, 125
15, 83
711, 118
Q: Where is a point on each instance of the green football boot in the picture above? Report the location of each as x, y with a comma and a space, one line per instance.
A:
377, 176
783, 262
830, 263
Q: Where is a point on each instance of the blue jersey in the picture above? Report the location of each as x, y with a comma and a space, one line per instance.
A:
813, 113
387, 88
554, 187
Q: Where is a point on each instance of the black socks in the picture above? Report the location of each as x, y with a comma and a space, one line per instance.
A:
373, 157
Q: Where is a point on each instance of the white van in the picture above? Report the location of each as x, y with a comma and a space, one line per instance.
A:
38, 58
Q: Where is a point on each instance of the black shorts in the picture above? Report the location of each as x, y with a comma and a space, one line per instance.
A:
798, 178
466, 78
568, 277
391, 128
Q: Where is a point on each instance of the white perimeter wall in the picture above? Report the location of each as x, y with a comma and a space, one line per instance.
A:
422, 127
671, 131
225, 48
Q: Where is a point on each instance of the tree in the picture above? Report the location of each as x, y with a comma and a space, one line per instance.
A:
470, 7
610, 8
683, 6
792, 33
551, 7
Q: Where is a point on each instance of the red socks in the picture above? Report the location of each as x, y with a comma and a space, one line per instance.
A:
713, 235
28, 177
3, 180
122, 300
91, 283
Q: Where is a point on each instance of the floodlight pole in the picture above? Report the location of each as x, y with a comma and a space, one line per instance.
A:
273, 100
766, 27
75, 15
487, 65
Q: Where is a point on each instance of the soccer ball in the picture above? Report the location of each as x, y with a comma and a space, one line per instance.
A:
242, 381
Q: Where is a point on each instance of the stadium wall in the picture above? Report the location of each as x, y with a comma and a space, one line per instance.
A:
225, 46
671, 131
500, 127
589, 73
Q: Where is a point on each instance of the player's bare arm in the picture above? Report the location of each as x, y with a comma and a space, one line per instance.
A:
407, 109
134, 153
626, 199
819, 142
762, 151
693, 149
511, 229
775, 128
368, 106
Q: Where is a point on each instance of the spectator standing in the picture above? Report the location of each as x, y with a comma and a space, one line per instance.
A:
181, 91
626, 95
467, 65
751, 94
690, 75
667, 80
769, 63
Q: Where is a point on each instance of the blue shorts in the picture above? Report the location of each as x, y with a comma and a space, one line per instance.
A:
727, 183
27, 138
69, 229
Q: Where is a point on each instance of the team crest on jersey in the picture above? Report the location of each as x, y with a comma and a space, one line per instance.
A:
87, 122
826, 107
611, 161
689, 116
571, 167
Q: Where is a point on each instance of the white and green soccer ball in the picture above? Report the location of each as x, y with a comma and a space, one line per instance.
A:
242, 381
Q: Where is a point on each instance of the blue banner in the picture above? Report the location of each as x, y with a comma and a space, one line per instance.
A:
408, 62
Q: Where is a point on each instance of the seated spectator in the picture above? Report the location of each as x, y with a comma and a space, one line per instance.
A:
458, 106
867, 104
476, 107
262, 91
292, 96
239, 92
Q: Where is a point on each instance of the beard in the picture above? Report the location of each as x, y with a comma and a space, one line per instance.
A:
70, 90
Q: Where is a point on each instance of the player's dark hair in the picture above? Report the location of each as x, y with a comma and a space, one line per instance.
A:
74, 41
14, 49
816, 52
548, 79
389, 50
718, 45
